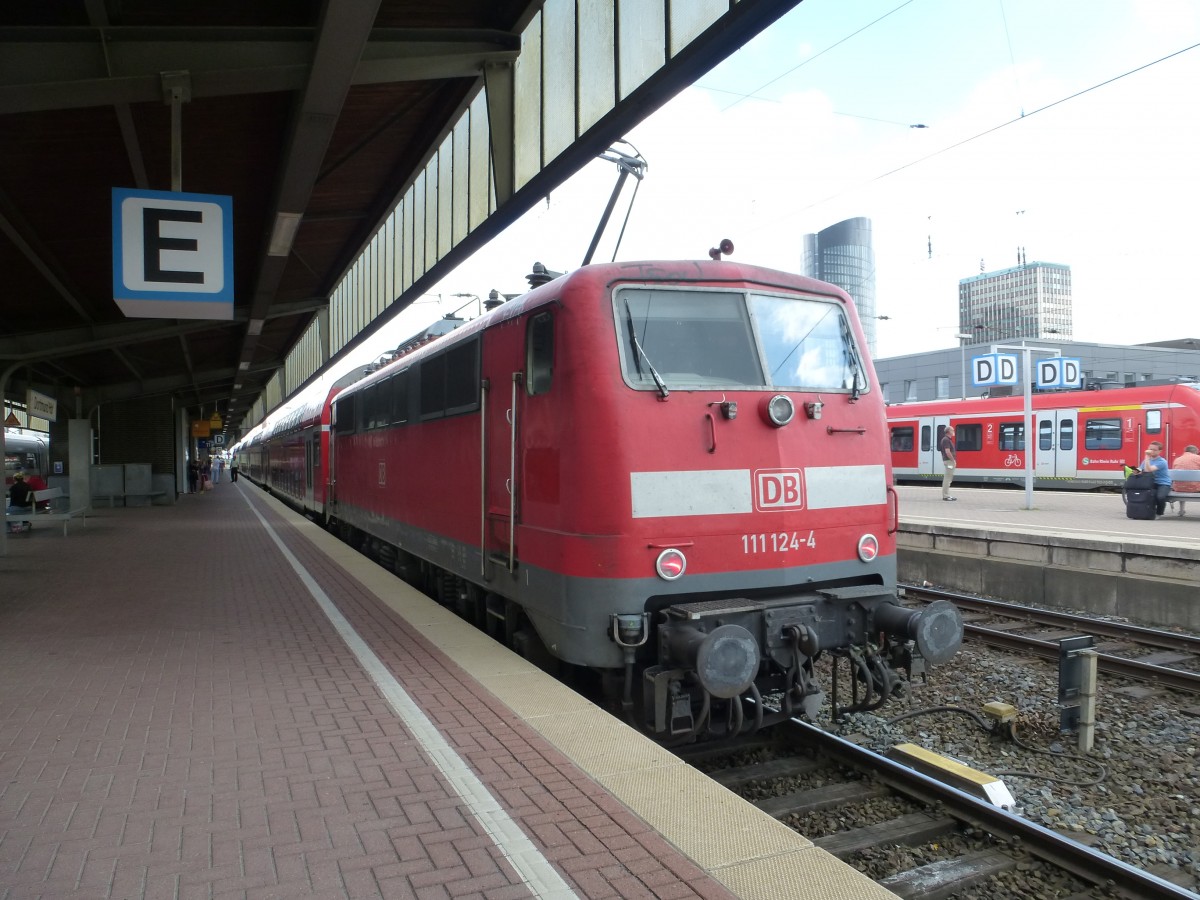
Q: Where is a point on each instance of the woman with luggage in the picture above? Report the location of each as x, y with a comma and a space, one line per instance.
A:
1156, 465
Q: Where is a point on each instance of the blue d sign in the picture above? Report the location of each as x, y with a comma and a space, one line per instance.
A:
172, 254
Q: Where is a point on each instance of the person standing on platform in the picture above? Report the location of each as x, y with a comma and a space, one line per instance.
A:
1188, 459
193, 473
1155, 464
216, 469
206, 475
233, 469
949, 452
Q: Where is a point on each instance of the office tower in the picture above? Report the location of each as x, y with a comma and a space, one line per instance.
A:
842, 254
1031, 300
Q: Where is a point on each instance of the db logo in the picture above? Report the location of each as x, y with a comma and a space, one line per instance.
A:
778, 489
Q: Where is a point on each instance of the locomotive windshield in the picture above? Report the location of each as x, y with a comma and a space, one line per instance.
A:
687, 338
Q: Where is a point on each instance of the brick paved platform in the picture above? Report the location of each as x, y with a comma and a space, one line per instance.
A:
179, 718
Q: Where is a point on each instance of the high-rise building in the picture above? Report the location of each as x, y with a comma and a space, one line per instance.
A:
1032, 300
842, 254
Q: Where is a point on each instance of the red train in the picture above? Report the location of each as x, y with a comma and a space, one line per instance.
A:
673, 473
1084, 438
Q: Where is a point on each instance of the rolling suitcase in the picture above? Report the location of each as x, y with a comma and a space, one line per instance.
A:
1139, 496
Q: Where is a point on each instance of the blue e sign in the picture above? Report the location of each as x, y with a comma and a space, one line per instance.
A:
172, 254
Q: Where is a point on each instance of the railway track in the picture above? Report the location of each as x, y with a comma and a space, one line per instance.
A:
1150, 655
968, 840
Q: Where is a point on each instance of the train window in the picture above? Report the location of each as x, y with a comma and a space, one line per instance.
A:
462, 378
381, 403
692, 338
433, 387
902, 439
926, 436
1102, 434
1045, 435
400, 397
450, 381
968, 437
1012, 435
539, 354
1066, 435
807, 344
1153, 421
344, 417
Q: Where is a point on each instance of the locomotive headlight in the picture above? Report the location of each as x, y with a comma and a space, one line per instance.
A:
671, 564
780, 410
868, 547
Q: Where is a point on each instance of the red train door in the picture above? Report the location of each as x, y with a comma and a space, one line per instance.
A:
931, 441
500, 369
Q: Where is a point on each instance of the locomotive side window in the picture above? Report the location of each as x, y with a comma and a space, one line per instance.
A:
433, 387
462, 378
539, 354
400, 397
1012, 436
970, 437
450, 382
1153, 421
902, 439
344, 417
1102, 434
379, 399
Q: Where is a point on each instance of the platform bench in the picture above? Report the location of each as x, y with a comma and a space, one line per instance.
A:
1181, 497
57, 511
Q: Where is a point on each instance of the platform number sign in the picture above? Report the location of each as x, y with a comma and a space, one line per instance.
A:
172, 254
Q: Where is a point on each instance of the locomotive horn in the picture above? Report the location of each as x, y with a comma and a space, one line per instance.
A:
937, 629
725, 659
725, 247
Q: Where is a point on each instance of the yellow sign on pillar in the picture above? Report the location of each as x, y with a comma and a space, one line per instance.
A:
200, 429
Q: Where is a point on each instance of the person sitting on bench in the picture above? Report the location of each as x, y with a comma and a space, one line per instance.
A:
20, 499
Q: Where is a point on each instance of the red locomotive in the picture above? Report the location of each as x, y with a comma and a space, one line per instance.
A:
1084, 438
674, 473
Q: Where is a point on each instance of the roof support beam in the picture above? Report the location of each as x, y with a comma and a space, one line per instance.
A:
113, 66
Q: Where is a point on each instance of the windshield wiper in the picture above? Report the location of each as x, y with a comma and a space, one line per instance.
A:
641, 354
851, 359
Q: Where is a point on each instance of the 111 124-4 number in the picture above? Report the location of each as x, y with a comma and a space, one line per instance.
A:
777, 542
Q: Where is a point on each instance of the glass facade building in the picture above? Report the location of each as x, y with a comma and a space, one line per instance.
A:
1032, 300
842, 254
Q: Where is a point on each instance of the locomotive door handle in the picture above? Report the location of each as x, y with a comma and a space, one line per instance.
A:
508, 485
894, 508
712, 433
508, 416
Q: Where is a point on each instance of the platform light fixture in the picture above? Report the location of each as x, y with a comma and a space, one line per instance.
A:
284, 232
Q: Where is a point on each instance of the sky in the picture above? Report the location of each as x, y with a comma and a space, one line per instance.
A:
1068, 127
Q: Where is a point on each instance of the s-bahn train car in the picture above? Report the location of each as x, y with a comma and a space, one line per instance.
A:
673, 473
27, 451
1084, 439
